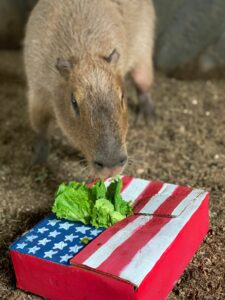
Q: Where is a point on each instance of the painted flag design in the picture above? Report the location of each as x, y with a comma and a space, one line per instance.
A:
129, 249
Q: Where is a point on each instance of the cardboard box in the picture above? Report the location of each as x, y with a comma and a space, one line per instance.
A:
141, 257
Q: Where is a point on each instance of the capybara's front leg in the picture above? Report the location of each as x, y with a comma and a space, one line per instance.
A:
40, 116
143, 78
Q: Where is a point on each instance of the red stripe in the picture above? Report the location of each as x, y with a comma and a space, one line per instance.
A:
167, 207
123, 254
151, 190
126, 181
101, 240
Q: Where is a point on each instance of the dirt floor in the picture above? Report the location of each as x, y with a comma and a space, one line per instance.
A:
186, 145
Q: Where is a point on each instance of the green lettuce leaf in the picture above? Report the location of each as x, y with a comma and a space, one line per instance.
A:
94, 205
114, 195
98, 190
116, 217
101, 215
85, 240
73, 204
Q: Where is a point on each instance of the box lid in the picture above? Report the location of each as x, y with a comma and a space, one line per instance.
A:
129, 249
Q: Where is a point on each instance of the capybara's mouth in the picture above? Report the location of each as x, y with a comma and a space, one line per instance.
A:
104, 173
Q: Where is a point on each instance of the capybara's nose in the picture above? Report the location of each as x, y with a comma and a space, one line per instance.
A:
111, 162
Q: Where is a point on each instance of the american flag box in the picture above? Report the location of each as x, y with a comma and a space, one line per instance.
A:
139, 258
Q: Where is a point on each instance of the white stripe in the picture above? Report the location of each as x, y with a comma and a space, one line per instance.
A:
115, 241
107, 182
154, 202
145, 259
187, 201
134, 189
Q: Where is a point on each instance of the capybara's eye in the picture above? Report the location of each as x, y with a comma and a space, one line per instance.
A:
75, 104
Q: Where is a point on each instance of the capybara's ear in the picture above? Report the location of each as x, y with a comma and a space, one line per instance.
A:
64, 66
113, 57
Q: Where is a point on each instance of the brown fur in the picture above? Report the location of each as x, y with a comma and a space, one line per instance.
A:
85, 32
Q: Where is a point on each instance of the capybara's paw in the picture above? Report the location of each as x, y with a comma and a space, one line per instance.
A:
146, 108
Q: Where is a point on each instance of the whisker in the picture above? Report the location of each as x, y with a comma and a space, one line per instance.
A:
84, 169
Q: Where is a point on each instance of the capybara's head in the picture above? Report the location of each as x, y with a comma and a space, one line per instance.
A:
92, 111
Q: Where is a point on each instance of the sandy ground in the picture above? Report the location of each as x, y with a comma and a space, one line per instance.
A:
185, 145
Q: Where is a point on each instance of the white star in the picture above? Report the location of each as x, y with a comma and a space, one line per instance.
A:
49, 254
54, 233
53, 222
95, 232
75, 249
59, 245
65, 225
65, 258
70, 237
21, 246
33, 250
31, 238
44, 242
82, 229
42, 230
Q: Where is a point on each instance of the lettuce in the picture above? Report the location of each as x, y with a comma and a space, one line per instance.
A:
101, 214
85, 240
94, 205
73, 204
116, 217
98, 190
113, 194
